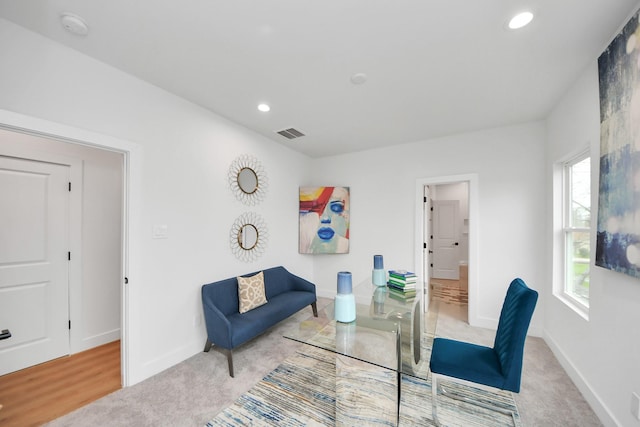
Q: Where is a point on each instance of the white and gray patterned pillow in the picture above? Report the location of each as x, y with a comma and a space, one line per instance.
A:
251, 292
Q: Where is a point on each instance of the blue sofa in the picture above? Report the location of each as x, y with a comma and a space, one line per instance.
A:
226, 328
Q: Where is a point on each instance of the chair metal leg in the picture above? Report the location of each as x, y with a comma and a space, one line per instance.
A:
207, 346
434, 400
460, 398
314, 307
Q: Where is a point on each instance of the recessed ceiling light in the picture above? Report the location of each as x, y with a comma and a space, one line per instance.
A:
264, 107
520, 20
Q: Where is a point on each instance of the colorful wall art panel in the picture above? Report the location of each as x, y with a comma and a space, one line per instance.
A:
324, 220
618, 241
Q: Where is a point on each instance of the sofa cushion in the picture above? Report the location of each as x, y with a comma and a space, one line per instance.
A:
247, 326
251, 292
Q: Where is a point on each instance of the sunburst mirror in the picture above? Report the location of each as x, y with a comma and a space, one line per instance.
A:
248, 179
248, 237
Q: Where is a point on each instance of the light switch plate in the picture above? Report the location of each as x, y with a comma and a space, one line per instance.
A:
160, 231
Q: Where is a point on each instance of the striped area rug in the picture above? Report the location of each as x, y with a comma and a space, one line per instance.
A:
302, 392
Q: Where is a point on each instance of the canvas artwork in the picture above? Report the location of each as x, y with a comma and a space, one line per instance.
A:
618, 240
324, 220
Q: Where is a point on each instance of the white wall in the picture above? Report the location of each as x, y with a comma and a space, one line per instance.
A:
96, 233
509, 163
602, 353
184, 155
102, 202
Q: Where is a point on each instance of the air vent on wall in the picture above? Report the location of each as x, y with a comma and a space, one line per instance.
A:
290, 133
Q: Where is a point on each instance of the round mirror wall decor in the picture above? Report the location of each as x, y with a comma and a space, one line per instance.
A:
248, 180
248, 237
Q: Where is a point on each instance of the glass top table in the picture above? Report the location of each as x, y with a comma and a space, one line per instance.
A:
388, 332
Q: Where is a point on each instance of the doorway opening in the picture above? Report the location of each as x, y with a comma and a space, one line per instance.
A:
131, 154
448, 242
446, 225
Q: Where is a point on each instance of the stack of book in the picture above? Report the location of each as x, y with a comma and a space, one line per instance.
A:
402, 284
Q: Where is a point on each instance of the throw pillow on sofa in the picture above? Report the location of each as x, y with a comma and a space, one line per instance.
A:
251, 292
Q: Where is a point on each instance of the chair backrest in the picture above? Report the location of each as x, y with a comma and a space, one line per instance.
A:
515, 317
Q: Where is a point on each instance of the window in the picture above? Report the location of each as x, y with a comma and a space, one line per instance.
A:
577, 229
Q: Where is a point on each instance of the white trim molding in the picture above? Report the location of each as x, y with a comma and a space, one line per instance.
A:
472, 179
131, 351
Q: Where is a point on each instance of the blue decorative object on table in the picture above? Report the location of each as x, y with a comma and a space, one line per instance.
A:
379, 276
345, 306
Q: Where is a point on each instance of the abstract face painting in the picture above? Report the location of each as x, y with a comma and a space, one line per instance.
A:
324, 220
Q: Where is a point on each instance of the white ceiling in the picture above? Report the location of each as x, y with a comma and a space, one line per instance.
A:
434, 67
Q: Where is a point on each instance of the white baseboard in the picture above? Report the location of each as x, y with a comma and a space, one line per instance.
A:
484, 322
155, 366
321, 293
97, 340
601, 410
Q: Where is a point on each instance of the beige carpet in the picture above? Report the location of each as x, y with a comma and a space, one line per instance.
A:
196, 390
316, 388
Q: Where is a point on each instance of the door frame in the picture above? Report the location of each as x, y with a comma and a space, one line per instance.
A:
419, 232
132, 196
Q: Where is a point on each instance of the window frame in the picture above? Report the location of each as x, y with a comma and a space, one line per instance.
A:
568, 230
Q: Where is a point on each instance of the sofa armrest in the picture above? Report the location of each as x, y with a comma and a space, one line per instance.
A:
278, 280
218, 326
300, 284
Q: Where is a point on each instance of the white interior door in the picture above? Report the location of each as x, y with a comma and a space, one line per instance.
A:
446, 235
34, 271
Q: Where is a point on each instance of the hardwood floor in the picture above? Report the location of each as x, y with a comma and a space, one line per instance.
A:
452, 291
33, 396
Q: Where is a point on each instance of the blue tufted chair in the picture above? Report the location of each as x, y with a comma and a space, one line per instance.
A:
498, 367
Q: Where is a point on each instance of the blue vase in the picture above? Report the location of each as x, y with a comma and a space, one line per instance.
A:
345, 305
378, 276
